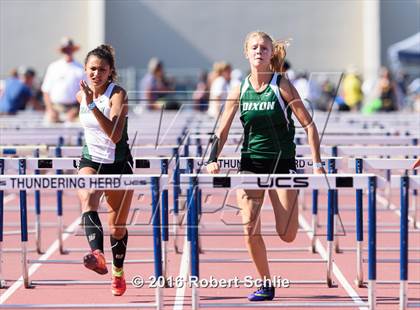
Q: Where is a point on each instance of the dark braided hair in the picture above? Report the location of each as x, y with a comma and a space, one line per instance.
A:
105, 52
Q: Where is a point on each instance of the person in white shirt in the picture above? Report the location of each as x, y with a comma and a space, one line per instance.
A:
61, 84
236, 78
219, 89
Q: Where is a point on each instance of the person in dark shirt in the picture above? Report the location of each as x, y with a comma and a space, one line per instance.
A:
17, 93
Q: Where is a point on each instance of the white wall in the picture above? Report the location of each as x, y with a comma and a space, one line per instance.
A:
193, 34
30, 31
327, 35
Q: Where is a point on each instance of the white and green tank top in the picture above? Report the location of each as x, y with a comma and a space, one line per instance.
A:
268, 125
98, 146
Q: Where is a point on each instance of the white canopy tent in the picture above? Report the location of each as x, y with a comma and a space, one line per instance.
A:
405, 55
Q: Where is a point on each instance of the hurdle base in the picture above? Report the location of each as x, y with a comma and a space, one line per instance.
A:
360, 284
64, 251
242, 250
413, 305
79, 306
76, 282
284, 305
330, 283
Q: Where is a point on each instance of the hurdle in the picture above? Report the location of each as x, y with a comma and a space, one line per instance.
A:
207, 128
357, 151
195, 164
53, 138
69, 164
359, 163
137, 151
19, 150
335, 150
231, 164
75, 151
23, 183
404, 183
2, 281
329, 181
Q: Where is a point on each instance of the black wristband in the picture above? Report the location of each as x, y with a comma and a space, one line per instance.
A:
214, 150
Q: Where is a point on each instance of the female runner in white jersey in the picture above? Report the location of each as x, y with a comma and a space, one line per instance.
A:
266, 100
103, 114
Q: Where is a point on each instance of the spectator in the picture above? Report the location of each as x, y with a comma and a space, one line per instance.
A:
327, 94
236, 78
301, 84
219, 89
413, 95
215, 72
352, 89
17, 93
201, 93
387, 90
154, 86
61, 84
290, 73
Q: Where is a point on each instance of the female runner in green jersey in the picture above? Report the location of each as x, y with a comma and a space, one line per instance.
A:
266, 100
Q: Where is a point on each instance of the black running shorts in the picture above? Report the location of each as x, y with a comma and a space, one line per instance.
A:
122, 167
268, 166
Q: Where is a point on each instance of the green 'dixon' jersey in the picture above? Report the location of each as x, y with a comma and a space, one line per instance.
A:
268, 125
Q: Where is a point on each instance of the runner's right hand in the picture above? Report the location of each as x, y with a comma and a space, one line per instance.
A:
213, 168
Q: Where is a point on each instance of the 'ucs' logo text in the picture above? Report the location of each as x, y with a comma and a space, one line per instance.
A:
283, 182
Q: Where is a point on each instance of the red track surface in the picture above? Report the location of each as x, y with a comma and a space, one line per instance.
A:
387, 294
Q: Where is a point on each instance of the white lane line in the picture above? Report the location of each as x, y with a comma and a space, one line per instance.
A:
337, 272
392, 207
9, 198
34, 267
183, 274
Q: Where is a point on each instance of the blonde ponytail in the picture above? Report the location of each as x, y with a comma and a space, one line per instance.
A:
279, 55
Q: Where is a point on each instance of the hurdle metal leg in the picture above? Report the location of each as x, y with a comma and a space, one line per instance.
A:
388, 189
193, 232
414, 205
60, 228
38, 213
314, 220
334, 193
404, 190
24, 238
330, 235
38, 234
2, 281
176, 191
359, 237
157, 240
23, 227
372, 243
165, 219
302, 202
359, 228
60, 224
337, 222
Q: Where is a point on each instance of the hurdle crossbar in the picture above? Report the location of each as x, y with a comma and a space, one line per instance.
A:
329, 181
